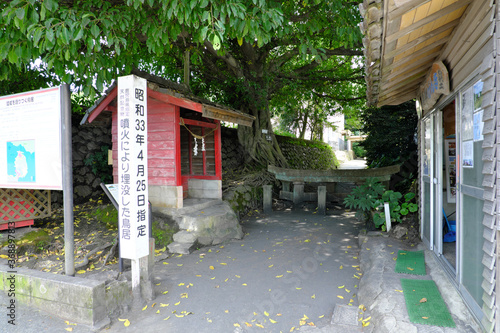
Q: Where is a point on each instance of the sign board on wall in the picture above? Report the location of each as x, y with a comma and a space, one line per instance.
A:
436, 84
30, 140
133, 167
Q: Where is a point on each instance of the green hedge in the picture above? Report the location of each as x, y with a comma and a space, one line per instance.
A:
306, 154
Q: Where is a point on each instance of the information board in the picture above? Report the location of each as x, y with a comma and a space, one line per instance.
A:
30, 140
133, 167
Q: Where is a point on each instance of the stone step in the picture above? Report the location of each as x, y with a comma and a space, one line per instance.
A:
190, 206
212, 225
185, 237
181, 248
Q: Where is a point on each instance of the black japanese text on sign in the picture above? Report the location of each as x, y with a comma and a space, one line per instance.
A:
133, 167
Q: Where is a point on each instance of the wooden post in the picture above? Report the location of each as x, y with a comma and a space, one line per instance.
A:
268, 198
322, 200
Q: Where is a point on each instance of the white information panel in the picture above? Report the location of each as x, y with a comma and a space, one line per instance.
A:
30, 140
133, 167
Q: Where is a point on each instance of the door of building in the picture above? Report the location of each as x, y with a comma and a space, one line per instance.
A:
431, 180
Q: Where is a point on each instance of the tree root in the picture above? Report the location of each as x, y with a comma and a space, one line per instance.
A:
111, 251
85, 261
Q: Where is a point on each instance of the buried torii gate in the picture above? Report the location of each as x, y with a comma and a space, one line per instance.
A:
300, 177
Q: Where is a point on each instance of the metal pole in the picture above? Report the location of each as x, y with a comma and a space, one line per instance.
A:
67, 173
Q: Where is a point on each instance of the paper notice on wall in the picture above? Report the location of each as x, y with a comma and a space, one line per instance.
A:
468, 154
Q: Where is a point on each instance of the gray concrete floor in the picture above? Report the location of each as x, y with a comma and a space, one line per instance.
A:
289, 266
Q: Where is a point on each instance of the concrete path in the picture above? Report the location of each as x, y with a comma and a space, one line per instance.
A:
353, 164
380, 289
290, 271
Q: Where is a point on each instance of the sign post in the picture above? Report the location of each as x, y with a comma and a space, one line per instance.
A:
133, 217
67, 181
35, 143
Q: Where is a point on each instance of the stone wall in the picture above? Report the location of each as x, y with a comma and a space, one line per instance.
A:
89, 143
306, 154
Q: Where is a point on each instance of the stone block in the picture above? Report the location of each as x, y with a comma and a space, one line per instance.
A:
205, 188
322, 200
166, 196
298, 193
118, 297
180, 248
76, 299
184, 236
268, 198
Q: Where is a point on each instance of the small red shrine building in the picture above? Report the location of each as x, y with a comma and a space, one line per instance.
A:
184, 141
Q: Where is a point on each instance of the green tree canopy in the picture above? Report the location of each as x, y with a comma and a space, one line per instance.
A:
391, 134
242, 52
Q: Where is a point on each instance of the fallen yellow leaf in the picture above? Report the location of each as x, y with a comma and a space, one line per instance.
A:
163, 305
167, 318
81, 271
266, 313
126, 322
409, 268
302, 322
423, 300
178, 303
425, 317
212, 267
69, 329
248, 324
279, 276
321, 316
259, 325
223, 263
313, 296
272, 321
236, 325
340, 287
341, 297
144, 308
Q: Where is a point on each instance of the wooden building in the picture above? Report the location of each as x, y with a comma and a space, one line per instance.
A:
184, 141
444, 55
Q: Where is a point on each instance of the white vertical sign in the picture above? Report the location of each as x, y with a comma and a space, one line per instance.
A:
133, 167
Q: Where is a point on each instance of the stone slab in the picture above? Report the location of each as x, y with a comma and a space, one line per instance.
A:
77, 299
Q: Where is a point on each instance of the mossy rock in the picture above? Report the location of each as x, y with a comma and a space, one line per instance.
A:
35, 241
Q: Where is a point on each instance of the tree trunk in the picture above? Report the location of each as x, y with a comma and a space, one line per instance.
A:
255, 142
